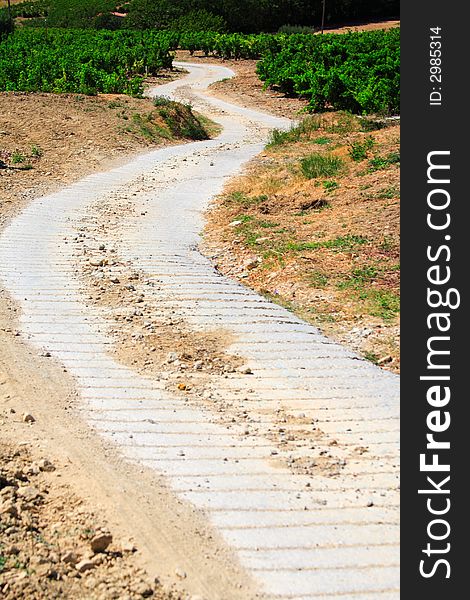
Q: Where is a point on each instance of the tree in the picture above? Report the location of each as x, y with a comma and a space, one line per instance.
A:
154, 14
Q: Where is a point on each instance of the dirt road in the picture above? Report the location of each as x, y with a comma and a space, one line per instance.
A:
280, 445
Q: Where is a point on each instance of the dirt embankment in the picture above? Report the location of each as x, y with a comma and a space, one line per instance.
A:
49, 140
314, 225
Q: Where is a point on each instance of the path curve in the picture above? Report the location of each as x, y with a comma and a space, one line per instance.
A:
300, 530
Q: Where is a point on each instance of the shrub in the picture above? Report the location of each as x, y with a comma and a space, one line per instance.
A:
291, 29
180, 119
358, 72
358, 150
6, 26
199, 20
81, 61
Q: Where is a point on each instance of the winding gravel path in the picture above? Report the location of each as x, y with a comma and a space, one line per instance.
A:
307, 496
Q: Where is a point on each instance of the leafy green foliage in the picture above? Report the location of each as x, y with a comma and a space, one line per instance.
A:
358, 150
199, 20
295, 133
358, 72
6, 26
233, 45
291, 29
247, 16
85, 62
382, 162
77, 13
339, 244
30, 9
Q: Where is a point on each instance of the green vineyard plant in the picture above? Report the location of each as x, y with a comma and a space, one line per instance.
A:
357, 72
84, 62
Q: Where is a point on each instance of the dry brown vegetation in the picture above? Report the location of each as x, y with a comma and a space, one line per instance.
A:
314, 225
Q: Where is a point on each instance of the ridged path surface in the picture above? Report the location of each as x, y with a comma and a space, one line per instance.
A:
302, 533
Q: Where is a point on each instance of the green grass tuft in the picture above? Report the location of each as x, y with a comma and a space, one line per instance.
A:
321, 165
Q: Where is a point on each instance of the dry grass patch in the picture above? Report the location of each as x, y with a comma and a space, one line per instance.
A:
319, 209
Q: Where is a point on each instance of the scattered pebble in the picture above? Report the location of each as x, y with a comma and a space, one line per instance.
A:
101, 542
85, 565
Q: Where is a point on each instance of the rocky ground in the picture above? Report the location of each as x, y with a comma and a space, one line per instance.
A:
52, 545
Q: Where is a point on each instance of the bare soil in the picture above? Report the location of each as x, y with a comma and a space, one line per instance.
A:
53, 545
363, 26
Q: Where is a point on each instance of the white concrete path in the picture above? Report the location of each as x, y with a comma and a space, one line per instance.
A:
300, 536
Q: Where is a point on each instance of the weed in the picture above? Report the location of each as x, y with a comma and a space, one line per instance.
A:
388, 193
244, 218
279, 137
321, 141
244, 200
180, 119
371, 357
339, 244
3, 560
358, 150
387, 244
17, 157
36, 151
345, 123
385, 305
321, 165
368, 124
317, 279
358, 278
144, 125
114, 104
382, 162
267, 224
162, 101
321, 317
294, 134
330, 186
